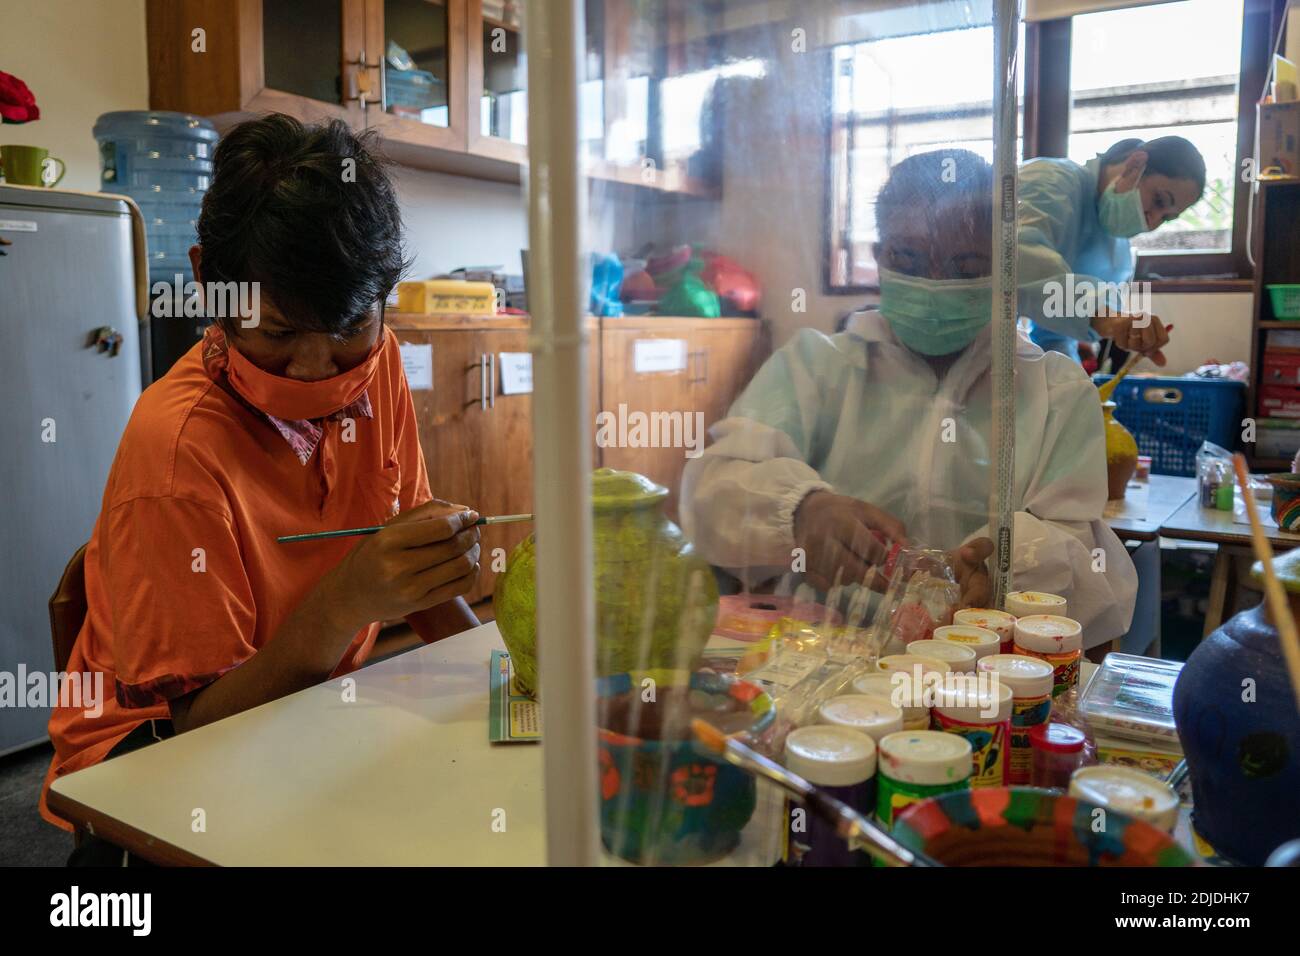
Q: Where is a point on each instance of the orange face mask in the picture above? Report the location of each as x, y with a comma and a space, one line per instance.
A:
292, 400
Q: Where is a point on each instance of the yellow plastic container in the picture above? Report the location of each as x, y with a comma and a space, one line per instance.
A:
447, 296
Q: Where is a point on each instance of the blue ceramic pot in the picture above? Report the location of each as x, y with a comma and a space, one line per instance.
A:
667, 802
1240, 731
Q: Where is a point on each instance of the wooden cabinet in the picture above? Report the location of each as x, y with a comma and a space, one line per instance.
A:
458, 101
478, 441
718, 357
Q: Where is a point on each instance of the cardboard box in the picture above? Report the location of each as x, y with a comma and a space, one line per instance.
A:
1278, 137
1279, 401
1280, 368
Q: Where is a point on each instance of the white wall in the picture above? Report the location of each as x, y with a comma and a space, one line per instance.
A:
451, 221
80, 59
1207, 326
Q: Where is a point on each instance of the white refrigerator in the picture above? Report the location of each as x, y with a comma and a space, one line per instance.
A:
70, 267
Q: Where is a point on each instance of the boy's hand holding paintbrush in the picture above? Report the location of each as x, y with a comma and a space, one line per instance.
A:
422, 557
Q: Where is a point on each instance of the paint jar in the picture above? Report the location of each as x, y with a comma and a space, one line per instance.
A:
1030, 680
984, 719
918, 764
842, 762
960, 659
870, 714
1025, 603
999, 622
981, 640
1127, 791
1056, 753
909, 662
1057, 640
916, 716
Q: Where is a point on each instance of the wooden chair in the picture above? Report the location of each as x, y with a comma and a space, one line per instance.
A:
68, 609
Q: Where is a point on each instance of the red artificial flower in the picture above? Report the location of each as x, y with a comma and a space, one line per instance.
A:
17, 104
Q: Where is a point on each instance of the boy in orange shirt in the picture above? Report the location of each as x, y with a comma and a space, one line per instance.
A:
297, 418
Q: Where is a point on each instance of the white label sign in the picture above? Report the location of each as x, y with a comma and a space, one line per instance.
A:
516, 372
417, 361
17, 225
659, 355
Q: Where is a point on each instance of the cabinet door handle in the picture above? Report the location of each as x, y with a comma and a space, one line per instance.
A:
492, 379
704, 359
482, 366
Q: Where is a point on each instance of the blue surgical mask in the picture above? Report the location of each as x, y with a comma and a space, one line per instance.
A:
1121, 214
935, 316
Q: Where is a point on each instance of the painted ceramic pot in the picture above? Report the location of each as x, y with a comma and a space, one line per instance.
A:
665, 801
1121, 453
1025, 826
656, 599
1285, 507
1238, 722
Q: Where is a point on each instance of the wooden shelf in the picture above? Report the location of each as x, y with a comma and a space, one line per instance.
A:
1276, 324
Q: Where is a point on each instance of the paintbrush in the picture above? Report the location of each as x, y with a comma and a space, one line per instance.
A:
351, 532
858, 831
1108, 388
1278, 606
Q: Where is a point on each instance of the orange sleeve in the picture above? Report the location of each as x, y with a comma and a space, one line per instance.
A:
410, 456
182, 610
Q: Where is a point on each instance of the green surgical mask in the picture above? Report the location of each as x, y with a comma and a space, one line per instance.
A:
1121, 214
935, 316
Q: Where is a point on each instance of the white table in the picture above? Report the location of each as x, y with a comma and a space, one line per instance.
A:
403, 776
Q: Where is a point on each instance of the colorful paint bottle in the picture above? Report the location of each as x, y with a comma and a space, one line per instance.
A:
959, 658
843, 763
984, 719
1057, 640
1057, 754
872, 715
1030, 680
918, 764
981, 640
1127, 791
1025, 603
1000, 623
916, 716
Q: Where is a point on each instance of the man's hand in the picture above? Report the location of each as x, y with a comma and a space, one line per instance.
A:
421, 558
968, 563
835, 532
1144, 334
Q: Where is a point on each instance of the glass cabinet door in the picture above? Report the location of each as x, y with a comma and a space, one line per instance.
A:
416, 60
302, 48
503, 103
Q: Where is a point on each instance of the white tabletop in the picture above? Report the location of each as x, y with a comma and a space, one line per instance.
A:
403, 776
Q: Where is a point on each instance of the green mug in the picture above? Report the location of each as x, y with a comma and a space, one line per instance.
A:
30, 166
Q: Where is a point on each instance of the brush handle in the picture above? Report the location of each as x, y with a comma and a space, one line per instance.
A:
353, 532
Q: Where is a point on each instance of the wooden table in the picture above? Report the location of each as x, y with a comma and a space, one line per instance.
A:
1191, 522
1147, 505
1137, 518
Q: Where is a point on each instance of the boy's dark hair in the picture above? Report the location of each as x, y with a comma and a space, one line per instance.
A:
926, 179
308, 212
1171, 156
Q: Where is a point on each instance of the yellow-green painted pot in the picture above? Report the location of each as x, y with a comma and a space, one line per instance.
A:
656, 599
1121, 453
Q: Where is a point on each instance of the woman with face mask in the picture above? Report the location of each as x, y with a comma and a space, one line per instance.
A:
292, 417
885, 429
1076, 221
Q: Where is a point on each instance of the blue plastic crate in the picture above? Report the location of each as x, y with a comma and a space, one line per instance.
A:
1170, 417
